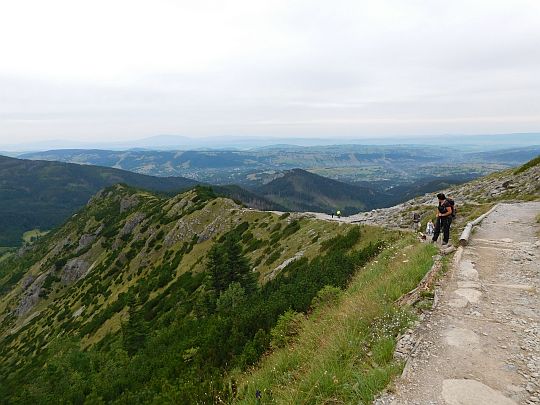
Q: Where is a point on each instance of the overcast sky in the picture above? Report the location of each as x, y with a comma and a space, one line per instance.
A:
116, 70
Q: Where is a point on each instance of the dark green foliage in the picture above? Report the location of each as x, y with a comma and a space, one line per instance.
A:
290, 229
134, 331
226, 264
342, 242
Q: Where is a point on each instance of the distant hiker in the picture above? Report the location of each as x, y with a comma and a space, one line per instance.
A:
444, 219
332, 214
429, 228
416, 221
338, 213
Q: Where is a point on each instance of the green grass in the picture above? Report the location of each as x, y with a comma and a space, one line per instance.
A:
343, 353
31, 236
528, 165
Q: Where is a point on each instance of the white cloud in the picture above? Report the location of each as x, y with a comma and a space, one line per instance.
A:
127, 69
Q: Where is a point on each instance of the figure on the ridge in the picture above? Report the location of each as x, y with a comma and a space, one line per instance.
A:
445, 212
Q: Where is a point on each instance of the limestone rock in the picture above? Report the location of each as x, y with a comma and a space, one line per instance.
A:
74, 270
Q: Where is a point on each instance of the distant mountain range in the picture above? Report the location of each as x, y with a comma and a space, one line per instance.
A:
395, 164
351, 178
175, 142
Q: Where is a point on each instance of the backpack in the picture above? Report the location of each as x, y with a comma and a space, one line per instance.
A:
452, 205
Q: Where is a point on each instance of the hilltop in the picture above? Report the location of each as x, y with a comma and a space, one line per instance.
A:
299, 190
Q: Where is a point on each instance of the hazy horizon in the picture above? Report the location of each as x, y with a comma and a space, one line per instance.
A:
104, 72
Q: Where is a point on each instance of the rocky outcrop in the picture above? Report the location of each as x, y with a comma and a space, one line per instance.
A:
30, 296
278, 269
74, 270
128, 202
132, 223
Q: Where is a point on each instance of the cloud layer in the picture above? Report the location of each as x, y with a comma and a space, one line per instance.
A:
127, 69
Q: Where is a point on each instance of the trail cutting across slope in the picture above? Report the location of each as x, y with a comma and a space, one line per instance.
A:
481, 345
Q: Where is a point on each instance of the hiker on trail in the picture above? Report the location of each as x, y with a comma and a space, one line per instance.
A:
445, 210
332, 214
338, 213
429, 228
416, 221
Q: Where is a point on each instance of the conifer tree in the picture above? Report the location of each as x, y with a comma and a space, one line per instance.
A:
134, 330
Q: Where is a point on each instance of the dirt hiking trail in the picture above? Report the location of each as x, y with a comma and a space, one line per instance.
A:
481, 344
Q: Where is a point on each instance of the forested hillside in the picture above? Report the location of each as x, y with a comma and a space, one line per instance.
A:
299, 190
145, 299
39, 194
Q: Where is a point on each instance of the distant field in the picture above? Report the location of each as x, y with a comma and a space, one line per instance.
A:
30, 236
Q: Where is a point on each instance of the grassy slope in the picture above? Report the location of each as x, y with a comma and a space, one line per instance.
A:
343, 353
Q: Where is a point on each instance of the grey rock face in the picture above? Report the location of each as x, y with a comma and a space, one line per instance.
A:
132, 223
128, 202
27, 282
85, 241
30, 297
74, 270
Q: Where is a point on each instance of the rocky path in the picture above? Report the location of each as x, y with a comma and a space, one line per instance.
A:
481, 344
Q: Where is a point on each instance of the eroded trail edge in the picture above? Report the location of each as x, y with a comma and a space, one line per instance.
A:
481, 345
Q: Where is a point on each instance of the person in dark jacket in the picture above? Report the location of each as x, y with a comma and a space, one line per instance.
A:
444, 219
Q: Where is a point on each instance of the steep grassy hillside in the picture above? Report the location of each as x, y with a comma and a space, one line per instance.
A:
343, 352
140, 298
299, 190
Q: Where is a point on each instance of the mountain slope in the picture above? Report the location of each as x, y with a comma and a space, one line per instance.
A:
39, 194
299, 190
139, 298
43, 194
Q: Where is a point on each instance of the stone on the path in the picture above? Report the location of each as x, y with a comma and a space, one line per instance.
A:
472, 392
467, 271
470, 294
460, 337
